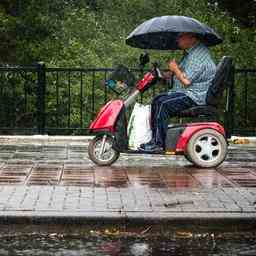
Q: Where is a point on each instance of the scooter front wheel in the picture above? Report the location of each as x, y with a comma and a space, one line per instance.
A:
100, 150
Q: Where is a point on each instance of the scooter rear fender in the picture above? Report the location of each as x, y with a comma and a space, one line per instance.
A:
192, 129
107, 117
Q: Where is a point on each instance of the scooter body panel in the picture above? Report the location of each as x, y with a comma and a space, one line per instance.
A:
107, 117
145, 83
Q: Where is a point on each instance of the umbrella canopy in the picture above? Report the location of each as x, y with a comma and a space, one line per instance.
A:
160, 33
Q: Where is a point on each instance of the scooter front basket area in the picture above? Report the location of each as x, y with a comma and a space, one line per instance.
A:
120, 80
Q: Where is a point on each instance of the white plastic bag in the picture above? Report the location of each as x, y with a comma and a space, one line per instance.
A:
139, 130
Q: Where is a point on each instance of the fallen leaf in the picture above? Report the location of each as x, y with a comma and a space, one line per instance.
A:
241, 141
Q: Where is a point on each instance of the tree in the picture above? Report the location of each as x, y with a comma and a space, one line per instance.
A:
93, 32
244, 11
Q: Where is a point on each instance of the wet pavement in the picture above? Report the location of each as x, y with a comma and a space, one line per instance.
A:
55, 179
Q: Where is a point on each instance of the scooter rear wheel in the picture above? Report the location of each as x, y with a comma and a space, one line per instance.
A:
100, 150
187, 157
207, 148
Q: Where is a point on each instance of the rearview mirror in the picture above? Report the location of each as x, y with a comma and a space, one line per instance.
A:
144, 59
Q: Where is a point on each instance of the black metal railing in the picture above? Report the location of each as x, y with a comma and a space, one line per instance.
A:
18, 99
41, 100
244, 113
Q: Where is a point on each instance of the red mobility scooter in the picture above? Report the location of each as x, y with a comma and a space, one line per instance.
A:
202, 143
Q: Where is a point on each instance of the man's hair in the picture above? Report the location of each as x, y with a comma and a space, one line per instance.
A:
191, 34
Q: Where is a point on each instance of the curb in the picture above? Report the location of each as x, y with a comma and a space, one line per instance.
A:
45, 139
136, 218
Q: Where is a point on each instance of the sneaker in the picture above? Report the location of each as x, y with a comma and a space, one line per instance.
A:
150, 148
151, 142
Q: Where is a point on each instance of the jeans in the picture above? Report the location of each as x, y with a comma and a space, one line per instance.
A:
163, 107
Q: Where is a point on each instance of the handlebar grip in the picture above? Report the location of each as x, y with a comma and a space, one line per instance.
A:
156, 64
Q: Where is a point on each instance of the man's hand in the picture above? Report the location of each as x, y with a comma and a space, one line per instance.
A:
173, 66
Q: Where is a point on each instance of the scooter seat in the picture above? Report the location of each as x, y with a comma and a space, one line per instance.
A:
198, 111
214, 93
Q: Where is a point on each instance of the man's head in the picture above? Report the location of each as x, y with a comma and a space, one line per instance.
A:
187, 40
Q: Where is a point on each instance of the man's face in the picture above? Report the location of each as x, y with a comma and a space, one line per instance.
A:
185, 40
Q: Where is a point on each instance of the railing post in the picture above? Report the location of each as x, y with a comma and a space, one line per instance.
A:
230, 106
41, 85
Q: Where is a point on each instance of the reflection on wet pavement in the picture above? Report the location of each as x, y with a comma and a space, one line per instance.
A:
69, 166
244, 177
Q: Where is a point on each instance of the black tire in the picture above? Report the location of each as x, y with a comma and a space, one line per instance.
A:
188, 158
108, 157
207, 148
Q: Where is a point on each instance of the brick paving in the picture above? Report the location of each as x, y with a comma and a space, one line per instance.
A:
58, 180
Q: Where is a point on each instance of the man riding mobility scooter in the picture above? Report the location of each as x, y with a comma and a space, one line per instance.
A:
202, 143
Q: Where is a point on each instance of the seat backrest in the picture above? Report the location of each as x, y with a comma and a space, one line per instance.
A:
219, 82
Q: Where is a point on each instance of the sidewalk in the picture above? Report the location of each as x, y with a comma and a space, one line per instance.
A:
50, 179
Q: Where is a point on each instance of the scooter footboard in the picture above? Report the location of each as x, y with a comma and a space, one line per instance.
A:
172, 137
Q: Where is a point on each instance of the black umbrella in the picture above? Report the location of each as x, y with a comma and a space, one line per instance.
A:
160, 33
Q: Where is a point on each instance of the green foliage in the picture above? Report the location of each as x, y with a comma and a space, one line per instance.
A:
244, 11
92, 33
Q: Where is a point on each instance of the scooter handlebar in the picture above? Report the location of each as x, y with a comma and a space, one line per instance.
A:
156, 69
158, 72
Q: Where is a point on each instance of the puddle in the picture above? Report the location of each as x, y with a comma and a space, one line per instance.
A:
119, 242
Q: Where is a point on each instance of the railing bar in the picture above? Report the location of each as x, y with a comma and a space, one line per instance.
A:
1, 104
93, 93
25, 96
85, 70
67, 128
17, 129
17, 69
86, 96
105, 87
69, 97
57, 98
246, 99
81, 99
13, 104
